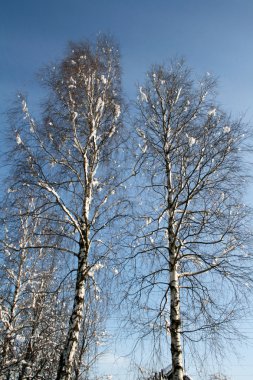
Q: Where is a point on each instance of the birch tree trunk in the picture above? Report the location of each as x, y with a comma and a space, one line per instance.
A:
67, 358
175, 316
175, 322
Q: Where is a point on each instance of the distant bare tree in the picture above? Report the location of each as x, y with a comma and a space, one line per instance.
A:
190, 247
68, 162
31, 314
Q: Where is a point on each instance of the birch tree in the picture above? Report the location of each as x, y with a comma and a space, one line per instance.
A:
68, 162
191, 244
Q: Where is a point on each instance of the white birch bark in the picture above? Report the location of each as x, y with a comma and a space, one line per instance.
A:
67, 359
175, 322
68, 356
175, 316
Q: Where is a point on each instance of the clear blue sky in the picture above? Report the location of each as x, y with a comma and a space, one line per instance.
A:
213, 35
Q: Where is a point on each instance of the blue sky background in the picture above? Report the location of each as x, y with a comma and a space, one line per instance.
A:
213, 35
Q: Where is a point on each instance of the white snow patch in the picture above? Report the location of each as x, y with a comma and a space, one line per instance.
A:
141, 133
222, 196
24, 106
72, 83
100, 105
10, 190
112, 131
226, 129
18, 139
95, 182
178, 94
117, 111
148, 221
95, 268
144, 148
212, 112
192, 141
103, 79
75, 114
144, 97
32, 125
